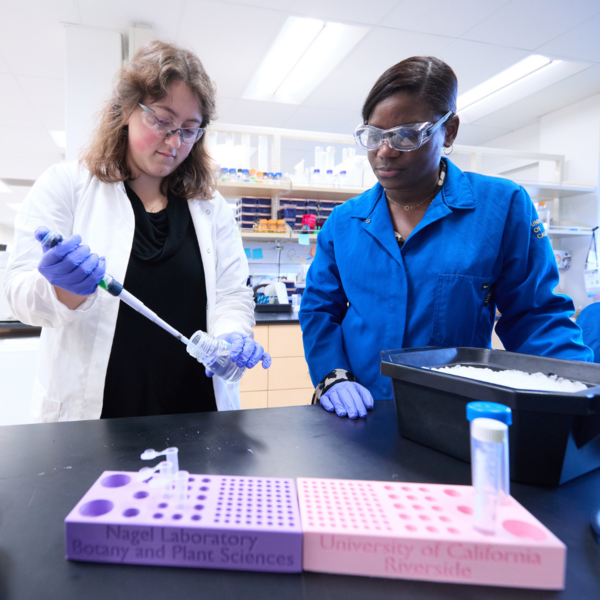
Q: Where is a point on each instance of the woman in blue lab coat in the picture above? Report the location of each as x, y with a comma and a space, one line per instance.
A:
425, 256
589, 321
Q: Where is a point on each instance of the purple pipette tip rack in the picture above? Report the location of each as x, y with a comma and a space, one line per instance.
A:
241, 523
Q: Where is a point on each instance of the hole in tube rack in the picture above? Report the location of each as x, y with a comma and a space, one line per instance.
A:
116, 480
524, 530
96, 508
467, 510
131, 512
452, 493
140, 495
157, 516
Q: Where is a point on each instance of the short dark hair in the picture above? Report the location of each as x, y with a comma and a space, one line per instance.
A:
427, 77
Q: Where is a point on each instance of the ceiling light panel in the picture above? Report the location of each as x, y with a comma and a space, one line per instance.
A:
489, 99
303, 54
518, 71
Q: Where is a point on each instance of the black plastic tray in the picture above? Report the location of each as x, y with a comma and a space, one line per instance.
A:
554, 438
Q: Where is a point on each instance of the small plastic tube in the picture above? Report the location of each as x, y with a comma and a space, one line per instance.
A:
502, 413
487, 447
181, 488
166, 476
172, 455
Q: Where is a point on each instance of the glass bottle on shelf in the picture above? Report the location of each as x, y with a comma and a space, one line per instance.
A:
544, 215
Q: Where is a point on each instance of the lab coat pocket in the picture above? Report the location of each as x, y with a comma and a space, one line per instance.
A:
458, 312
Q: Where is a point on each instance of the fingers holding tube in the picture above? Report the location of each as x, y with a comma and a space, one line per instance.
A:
257, 354
246, 353
266, 360
237, 345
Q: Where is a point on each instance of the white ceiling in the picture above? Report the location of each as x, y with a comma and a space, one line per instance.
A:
478, 38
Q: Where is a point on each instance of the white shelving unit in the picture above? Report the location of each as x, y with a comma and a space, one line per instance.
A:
569, 231
549, 191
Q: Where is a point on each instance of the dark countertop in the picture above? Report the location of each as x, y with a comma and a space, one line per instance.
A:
45, 470
290, 318
17, 326
16, 329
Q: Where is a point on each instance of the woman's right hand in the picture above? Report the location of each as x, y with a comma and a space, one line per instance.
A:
347, 398
71, 266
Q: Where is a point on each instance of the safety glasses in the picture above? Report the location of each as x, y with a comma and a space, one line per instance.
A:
164, 128
404, 137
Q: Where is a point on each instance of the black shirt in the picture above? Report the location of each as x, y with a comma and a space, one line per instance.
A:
149, 371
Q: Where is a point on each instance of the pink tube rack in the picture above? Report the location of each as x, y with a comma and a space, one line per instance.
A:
425, 532
243, 523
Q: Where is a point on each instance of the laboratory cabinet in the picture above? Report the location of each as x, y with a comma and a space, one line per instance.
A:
287, 382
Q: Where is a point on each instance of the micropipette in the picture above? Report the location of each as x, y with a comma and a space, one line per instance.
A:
114, 288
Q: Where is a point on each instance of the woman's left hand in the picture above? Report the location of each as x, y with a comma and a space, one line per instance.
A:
245, 352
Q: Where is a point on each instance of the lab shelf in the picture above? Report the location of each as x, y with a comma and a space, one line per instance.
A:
265, 236
286, 190
258, 190
569, 231
316, 192
549, 191
312, 237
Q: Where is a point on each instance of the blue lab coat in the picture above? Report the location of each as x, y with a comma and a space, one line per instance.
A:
589, 321
478, 245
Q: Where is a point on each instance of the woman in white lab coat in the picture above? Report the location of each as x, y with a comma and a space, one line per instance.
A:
142, 198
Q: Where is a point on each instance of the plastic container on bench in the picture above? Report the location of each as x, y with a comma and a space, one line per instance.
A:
555, 436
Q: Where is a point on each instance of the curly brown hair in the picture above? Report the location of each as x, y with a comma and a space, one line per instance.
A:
155, 66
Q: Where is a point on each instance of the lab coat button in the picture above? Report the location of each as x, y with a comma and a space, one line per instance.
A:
208, 250
368, 220
208, 212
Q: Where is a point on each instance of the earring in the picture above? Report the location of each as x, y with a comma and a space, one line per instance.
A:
450, 151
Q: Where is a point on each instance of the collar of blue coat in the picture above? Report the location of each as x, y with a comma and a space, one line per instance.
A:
457, 194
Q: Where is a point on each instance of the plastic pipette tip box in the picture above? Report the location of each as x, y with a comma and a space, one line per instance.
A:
242, 523
424, 532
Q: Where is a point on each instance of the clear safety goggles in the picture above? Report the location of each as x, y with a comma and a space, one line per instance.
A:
166, 128
404, 137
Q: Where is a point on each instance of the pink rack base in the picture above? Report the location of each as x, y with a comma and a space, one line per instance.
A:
424, 532
242, 523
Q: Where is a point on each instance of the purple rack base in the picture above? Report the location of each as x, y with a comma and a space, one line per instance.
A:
241, 523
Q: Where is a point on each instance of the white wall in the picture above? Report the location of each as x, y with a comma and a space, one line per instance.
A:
94, 56
18, 361
575, 132
6, 234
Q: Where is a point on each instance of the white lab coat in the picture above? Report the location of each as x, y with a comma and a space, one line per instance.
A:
76, 344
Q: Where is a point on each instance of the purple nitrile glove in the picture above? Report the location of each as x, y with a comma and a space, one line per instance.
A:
245, 352
70, 265
348, 398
